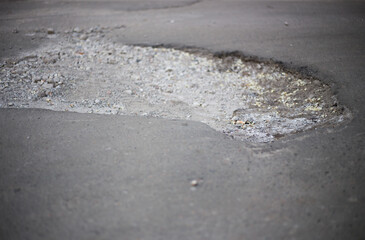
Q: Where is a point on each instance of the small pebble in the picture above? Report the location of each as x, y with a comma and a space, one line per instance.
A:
317, 82
48, 85
196, 104
42, 93
50, 31
234, 118
37, 79
77, 30
128, 92
194, 183
83, 37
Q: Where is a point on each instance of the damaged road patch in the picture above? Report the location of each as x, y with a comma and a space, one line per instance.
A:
248, 100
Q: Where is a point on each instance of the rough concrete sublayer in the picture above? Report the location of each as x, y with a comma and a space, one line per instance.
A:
65, 183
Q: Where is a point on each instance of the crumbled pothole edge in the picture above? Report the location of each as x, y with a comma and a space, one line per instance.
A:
244, 122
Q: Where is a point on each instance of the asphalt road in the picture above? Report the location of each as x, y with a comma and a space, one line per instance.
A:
83, 176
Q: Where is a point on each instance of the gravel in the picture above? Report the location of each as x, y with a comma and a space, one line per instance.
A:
50, 31
82, 71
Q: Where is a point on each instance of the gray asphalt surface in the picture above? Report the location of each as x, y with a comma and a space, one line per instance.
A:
83, 176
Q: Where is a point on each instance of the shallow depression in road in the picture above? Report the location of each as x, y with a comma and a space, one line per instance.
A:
249, 100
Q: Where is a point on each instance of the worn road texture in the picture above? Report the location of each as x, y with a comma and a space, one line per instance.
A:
86, 176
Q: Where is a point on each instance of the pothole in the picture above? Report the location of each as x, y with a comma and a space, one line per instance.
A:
248, 100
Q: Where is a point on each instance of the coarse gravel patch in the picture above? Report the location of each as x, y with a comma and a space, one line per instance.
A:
81, 70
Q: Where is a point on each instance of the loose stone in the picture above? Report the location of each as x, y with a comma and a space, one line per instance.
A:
194, 183
83, 37
77, 30
50, 31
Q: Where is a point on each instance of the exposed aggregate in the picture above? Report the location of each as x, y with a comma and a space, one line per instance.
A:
248, 100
